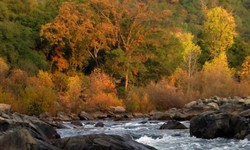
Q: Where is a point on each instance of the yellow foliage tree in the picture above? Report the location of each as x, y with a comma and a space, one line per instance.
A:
74, 93
191, 55
219, 30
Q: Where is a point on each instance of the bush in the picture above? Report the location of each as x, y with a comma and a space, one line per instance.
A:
4, 68
74, 92
101, 93
102, 102
164, 96
138, 101
217, 79
37, 100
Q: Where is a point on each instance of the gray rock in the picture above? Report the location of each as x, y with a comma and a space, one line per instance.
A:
36, 127
62, 116
173, 124
214, 106
245, 113
99, 124
76, 123
74, 116
138, 115
85, 116
100, 115
21, 139
100, 142
118, 109
46, 117
211, 125
232, 108
190, 104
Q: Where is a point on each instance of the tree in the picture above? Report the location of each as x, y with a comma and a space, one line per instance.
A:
66, 35
132, 22
18, 36
236, 54
191, 55
81, 31
191, 52
77, 34
219, 30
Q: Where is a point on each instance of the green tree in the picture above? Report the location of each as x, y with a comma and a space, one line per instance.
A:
236, 54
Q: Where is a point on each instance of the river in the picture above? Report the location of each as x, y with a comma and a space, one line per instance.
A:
147, 132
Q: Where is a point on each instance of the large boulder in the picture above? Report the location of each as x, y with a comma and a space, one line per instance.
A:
22, 139
76, 123
85, 116
173, 124
212, 124
245, 113
100, 142
118, 109
62, 116
21, 132
47, 117
37, 128
232, 108
100, 115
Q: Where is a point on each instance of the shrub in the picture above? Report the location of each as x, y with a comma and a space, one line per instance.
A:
102, 102
101, 82
102, 92
217, 79
39, 99
4, 68
164, 96
138, 101
74, 92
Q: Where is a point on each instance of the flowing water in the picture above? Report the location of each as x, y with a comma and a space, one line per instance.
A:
147, 132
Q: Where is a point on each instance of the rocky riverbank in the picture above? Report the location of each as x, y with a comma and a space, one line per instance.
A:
210, 118
22, 132
235, 106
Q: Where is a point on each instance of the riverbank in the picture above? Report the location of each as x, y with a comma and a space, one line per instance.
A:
22, 132
44, 132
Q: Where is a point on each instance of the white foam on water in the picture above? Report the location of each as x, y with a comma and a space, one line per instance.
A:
191, 143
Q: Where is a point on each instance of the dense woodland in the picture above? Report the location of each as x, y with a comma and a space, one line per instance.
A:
73, 55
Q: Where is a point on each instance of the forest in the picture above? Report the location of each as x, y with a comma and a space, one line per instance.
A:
144, 55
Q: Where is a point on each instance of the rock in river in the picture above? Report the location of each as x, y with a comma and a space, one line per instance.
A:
212, 124
173, 124
100, 142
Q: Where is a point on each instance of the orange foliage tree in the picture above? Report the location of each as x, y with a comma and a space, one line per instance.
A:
102, 92
76, 34
80, 31
132, 22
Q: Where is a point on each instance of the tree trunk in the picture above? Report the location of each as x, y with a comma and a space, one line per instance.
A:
189, 71
126, 80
